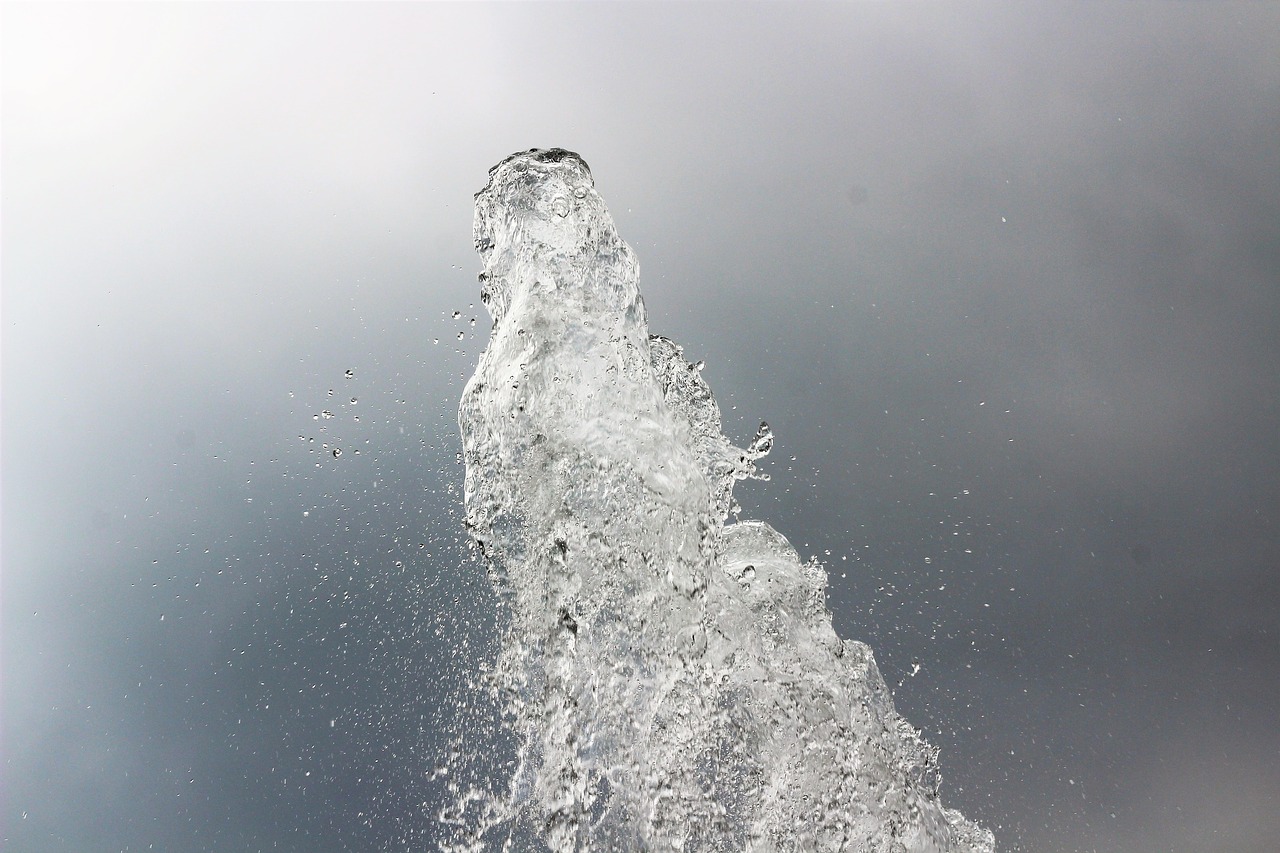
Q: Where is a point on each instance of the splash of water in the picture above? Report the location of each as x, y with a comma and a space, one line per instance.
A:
674, 679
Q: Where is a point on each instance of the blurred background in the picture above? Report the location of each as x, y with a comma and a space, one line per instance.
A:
1003, 278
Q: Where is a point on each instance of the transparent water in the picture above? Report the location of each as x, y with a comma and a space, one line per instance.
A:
672, 680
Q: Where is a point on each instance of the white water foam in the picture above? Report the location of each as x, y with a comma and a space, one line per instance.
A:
674, 679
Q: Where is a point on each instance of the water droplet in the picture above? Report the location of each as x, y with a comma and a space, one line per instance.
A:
350, 374
337, 452
763, 441
560, 207
326, 414
457, 314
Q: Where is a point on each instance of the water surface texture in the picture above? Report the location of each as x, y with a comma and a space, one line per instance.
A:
673, 679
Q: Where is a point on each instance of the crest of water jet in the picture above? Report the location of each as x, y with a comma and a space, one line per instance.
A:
673, 680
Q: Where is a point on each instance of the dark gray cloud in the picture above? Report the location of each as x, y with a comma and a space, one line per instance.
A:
1001, 277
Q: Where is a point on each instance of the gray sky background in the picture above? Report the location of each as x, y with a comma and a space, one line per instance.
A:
1004, 279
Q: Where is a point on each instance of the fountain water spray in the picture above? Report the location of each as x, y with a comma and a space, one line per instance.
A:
674, 678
